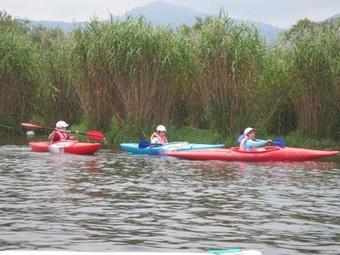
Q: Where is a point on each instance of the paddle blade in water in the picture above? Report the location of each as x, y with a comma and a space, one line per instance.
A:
143, 144
95, 135
279, 142
30, 125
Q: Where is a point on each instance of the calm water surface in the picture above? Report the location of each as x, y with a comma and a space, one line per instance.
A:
119, 202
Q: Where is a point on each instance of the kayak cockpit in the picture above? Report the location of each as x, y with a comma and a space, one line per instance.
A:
256, 150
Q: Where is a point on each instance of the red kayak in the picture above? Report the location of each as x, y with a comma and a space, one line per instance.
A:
269, 153
70, 146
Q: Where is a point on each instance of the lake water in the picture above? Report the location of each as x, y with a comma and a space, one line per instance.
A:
114, 201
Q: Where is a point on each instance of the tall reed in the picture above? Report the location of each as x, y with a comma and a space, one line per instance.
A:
128, 76
314, 72
229, 60
19, 62
56, 91
129, 70
274, 94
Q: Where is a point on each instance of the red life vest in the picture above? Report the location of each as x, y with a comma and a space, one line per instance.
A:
60, 136
161, 139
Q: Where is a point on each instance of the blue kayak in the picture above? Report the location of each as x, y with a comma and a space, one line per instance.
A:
163, 149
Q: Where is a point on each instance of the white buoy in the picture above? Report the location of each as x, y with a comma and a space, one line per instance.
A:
30, 134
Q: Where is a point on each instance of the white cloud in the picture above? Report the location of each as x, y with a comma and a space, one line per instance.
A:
68, 10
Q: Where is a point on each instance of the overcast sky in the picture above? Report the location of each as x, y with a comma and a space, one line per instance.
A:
282, 13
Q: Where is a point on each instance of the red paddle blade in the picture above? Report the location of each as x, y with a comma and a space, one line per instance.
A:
95, 135
30, 125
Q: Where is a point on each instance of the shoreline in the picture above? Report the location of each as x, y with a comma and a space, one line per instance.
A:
191, 135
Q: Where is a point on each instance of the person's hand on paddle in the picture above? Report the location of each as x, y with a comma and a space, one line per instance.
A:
73, 137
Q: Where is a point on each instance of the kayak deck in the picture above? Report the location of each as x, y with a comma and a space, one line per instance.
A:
163, 149
70, 146
269, 153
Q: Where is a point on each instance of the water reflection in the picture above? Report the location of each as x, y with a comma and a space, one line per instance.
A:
119, 202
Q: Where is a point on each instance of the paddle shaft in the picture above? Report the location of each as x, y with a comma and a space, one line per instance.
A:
96, 135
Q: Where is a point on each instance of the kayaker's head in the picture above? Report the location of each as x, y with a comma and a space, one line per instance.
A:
161, 130
249, 132
61, 124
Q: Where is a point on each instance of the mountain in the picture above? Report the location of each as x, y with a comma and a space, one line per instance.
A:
269, 32
336, 16
65, 26
164, 13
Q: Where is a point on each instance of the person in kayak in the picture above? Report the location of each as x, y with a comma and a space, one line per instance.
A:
159, 136
249, 142
60, 132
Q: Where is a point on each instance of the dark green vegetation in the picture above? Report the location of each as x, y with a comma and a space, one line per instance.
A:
125, 77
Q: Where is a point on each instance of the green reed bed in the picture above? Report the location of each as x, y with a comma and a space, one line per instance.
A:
131, 71
18, 66
125, 77
228, 59
57, 94
314, 68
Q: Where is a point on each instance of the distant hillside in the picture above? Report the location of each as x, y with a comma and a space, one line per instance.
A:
164, 13
336, 16
65, 26
269, 32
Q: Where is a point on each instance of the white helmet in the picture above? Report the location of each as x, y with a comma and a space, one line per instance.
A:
161, 128
248, 130
61, 124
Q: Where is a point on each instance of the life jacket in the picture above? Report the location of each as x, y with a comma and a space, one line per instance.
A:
243, 144
60, 136
161, 140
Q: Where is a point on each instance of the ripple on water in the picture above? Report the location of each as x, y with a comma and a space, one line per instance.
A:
117, 201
